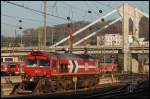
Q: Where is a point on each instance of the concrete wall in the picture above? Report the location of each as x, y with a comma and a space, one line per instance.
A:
135, 66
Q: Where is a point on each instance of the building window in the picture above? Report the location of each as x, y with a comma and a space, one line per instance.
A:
8, 59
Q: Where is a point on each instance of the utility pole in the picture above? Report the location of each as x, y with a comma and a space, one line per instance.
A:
45, 17
71, 37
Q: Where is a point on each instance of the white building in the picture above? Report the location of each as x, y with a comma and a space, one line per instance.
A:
109, 40
117, 40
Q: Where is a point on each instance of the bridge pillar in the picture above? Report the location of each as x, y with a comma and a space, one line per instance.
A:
139, 63
134, 63
127, 12
125, 26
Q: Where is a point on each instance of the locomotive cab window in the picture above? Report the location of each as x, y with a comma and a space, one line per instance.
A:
63, 68
31, 62
44, 63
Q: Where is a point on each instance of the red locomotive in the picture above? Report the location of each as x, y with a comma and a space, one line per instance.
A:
4, 68
57, 71
16, 68
108, 67
13, 68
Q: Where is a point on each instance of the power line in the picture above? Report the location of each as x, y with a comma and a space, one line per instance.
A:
90, 7
9, 24
110, 6
16, 17
28, 19
54, 20
77, 10
41, 12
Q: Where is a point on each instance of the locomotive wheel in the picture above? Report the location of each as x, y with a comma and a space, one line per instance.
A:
80, 84
60, 85
42, 86
68, 84
86, 84
53, 86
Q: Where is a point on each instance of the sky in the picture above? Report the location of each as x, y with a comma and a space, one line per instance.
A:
76, 10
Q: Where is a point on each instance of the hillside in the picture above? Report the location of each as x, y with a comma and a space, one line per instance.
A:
58, 32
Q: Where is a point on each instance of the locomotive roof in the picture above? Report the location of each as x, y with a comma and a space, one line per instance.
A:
71, 55
67, 55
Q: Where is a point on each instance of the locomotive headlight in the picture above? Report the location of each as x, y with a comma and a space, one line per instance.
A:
31, 79
34, 65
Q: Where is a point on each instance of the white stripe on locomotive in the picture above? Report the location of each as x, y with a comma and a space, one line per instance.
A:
76, 63
71, 66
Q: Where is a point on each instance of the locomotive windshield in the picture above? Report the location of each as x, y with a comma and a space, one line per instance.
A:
44, 63
31, 62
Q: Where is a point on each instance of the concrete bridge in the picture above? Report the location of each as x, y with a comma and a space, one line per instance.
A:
77, 49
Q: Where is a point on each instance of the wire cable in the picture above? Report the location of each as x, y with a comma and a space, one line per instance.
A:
41, 12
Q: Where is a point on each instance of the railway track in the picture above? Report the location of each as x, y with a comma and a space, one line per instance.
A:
117, 91
102, 90
107, 92
111, 92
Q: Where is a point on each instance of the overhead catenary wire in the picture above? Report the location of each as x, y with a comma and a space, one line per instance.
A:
31, 9
16, 17
110, 6
9, 24
75, 11
75, 7
56, 21
28, 19
93, 11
